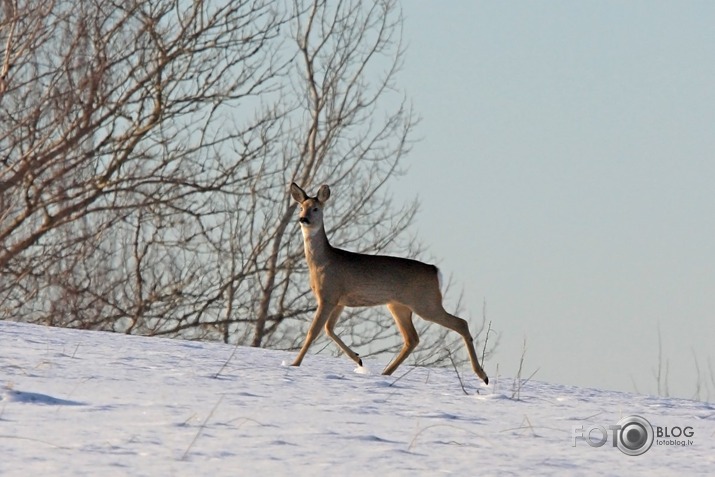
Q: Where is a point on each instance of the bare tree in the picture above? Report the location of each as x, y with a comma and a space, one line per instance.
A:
116, 117
146, 150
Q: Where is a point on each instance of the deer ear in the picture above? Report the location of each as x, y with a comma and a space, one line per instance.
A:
297, 193
323, 193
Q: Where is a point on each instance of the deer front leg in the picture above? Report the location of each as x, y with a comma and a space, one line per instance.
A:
330, 331
321, 317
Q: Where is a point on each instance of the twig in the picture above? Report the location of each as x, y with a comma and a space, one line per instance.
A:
186, 422
662, 380
402, 376
202, 427
531, 427
245, 420
698, 383
414, 439
526, 381
486, 340
415, 366
233, 353
526, 418
588, 418
454, 365
516, 389
30, 439
327, 343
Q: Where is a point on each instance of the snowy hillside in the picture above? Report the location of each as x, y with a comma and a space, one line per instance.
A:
86, 403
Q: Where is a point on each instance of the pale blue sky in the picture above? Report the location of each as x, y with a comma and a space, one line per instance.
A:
567, 176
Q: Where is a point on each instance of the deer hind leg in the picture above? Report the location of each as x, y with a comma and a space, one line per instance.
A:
330, 331
437, 314
321, 317
403, 318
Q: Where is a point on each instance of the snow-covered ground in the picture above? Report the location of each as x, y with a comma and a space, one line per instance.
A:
88, 403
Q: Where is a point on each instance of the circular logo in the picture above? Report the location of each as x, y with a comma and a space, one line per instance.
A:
635, 435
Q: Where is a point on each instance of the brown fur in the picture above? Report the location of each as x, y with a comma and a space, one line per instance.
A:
340, 278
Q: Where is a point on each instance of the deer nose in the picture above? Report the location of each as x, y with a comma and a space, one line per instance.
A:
304, 220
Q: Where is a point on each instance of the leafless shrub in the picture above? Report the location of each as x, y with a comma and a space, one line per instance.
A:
146, 150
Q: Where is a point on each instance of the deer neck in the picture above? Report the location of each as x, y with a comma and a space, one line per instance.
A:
317, 248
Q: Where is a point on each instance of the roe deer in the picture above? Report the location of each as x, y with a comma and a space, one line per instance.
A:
340, 278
